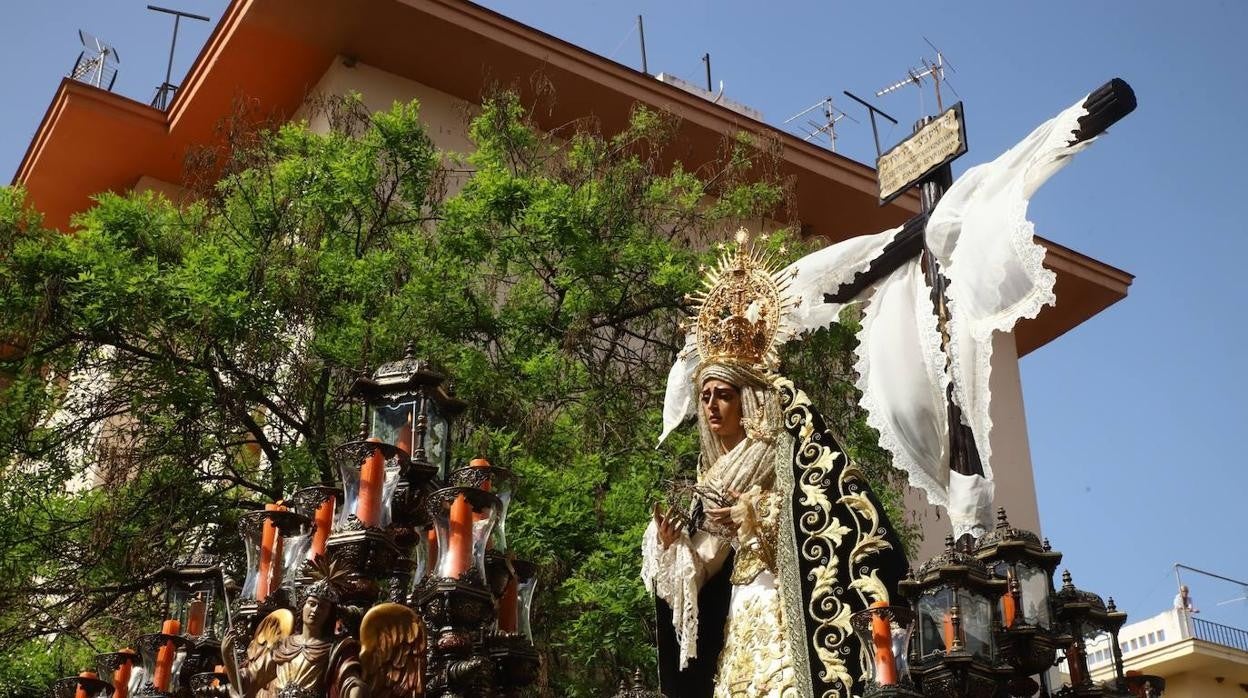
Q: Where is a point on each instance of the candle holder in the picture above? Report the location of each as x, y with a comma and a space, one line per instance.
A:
953, 598
321, 504
370, 472
85, 685
276, 543
516, 662
1028, 638
885, 631
163, 657
491, 478
123, 669
463, 518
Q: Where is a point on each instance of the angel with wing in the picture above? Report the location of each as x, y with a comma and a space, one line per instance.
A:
309, 660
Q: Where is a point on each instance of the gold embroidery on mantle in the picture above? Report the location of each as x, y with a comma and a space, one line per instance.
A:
818, 535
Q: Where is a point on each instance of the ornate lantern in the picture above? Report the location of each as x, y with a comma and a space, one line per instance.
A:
195, 601
1087, 618
407, 405
463, 519
84, 685
1028, 640
491, 478
954, 598
276, 542
885, 631
124, 669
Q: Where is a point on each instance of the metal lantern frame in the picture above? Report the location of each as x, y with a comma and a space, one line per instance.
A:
1085, 614
957, 668
1029, 635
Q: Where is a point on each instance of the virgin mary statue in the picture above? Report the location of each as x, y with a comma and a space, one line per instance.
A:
754, 595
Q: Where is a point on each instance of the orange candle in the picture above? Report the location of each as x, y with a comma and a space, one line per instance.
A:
882, 641
509, 605
121, 677
324, 519
432, 538
270, 573
372, 479
218, 669
404, 442
950, 636
1009, 608
459, 547
164, 657
195, 615
82, 692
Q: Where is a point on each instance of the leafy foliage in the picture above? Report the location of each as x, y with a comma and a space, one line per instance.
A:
178, 364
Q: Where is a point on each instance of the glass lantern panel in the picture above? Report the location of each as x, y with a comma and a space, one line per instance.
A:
463, 533
437, 440
351, 482
935, 627
194, 607
392, 422
977, 624
252, 549
420, 559
1034, 585
527, 587
294, 555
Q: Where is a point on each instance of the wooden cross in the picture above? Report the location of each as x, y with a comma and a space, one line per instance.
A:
1105, 106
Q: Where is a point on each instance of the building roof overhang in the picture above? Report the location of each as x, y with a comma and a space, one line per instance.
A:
264, 58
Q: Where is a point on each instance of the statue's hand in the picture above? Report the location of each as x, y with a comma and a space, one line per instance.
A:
667, 526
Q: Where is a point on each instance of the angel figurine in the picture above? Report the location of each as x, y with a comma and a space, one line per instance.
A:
310, 661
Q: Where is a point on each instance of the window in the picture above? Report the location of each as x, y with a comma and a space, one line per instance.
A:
1135, 643
1161, 635
1152, 638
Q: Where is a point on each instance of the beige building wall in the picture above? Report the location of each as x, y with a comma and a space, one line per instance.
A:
1011, 458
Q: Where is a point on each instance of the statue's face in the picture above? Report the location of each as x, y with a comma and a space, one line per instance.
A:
721, 405
316, 612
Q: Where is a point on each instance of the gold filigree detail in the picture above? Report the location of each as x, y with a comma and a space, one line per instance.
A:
740, 310
755, 662
822, 538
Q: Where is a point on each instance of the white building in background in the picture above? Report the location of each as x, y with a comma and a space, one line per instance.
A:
1197, 658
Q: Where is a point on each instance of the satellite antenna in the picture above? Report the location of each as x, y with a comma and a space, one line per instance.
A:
933, 70
166, 89
827, 129
96, 63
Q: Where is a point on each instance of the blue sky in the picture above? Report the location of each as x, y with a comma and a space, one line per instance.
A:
1135, 416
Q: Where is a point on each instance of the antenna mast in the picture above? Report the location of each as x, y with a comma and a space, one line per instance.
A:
166, 89
827, 129
933, 69
102, 61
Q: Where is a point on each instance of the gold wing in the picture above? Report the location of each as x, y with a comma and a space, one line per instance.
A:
392, 651
256, 673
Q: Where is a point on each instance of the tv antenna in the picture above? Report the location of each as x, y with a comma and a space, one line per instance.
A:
96, 63
814, 130
166, 89
933, 70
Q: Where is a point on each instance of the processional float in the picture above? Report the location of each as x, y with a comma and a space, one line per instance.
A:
395, 581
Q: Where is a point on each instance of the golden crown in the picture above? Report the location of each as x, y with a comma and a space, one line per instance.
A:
739, 311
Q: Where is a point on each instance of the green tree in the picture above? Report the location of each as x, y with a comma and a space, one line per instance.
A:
178, 365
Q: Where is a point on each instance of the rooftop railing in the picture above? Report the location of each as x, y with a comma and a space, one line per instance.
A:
1220, 634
